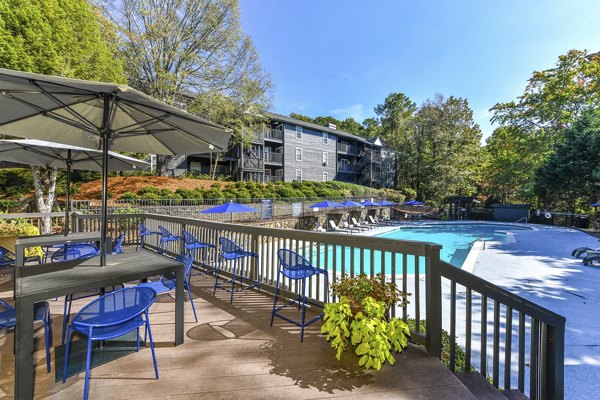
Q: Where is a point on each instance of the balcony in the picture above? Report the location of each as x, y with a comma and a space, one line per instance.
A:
349, 168
253, 163
274, 135
344, 148
273, 158
273, 178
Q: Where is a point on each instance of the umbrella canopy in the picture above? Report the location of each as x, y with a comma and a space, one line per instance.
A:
100, 116
326, 204
230, 207
350, 203
55, 155
369, 203
595, 205
387, 203
413, 203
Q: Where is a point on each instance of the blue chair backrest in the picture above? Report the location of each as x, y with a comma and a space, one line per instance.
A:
188, 237
115, 307
188, 262
291, 260
75, 251
228, 246
7, 315
164, 231
144, 230
6, 254
116, 248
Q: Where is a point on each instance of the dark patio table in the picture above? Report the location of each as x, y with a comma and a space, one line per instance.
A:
41, 282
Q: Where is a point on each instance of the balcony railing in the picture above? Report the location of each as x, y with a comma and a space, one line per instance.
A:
273, 178
253, 163
351, 168
347, 149
273, 158
273, 134
499, 326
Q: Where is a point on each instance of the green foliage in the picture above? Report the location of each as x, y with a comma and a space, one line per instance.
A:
373, 337
10, 230
572, 172
129, 196
213, 193
15, 182
360, 286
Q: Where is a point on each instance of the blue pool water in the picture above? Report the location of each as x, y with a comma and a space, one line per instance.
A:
455, 238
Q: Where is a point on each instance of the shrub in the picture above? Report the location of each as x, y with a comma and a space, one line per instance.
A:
11, 230
129, 196
360, 286
213, 193
148, 190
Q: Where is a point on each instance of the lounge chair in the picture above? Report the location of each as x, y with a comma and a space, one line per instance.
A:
362, 224
580, 251
335, 228
351, 228
319, 228
373, 222
593, 257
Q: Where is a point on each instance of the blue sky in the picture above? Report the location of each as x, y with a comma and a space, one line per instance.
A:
341, 58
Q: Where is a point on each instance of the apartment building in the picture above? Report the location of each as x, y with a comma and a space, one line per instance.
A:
289, 149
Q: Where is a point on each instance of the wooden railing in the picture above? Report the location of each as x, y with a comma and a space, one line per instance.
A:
435, 286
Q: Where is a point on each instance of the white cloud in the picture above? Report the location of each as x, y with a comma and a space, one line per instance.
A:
356, 111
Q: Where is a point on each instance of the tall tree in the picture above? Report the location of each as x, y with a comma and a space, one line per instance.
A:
571, 175
179, 50
554, 98
56, 37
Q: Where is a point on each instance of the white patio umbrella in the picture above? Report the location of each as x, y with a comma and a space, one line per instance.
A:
62, 156
100, 116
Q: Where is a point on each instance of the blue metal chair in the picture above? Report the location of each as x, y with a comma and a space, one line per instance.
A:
166, 237
191, 244
117, 244
7, 258
167, 284
232, 252
143, 233
297, 268
41, 312
111, 316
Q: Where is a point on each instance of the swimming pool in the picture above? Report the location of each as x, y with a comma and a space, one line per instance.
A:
455, 238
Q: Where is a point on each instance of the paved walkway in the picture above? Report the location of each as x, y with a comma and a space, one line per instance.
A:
540, 268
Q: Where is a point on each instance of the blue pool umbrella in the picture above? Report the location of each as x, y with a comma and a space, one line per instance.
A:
350, 203
413, 203
326, 204
387, 203
595, 205
369, 203
230, 207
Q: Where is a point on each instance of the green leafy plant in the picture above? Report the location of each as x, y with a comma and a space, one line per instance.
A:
358, 287
368, 331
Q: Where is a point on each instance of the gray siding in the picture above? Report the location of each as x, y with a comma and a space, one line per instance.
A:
312, 154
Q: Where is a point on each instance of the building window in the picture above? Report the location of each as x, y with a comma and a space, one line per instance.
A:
325, 158
325, 176
298, 132
298, 174
298, 154
325, 137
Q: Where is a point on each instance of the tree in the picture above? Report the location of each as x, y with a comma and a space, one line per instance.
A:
56, 37
571, 175
512, 157
181, 50
554, 98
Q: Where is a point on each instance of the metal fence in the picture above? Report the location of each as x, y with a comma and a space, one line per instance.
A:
531, 336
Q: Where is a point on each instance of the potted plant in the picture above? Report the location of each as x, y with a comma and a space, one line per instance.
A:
360, 318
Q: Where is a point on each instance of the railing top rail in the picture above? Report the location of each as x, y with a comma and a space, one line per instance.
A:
31, 215
501, 295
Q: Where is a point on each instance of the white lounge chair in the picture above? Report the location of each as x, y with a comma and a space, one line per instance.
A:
357, 224
335, 228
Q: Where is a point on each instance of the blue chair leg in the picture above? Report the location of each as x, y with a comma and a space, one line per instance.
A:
66, 315
66, 360
303, 308
275, 299
233, 280
47, 343
187, 284
87, 368
137, 339
217, 273
151, 345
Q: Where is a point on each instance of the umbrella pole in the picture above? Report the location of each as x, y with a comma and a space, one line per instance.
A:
105, 133
67, 197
